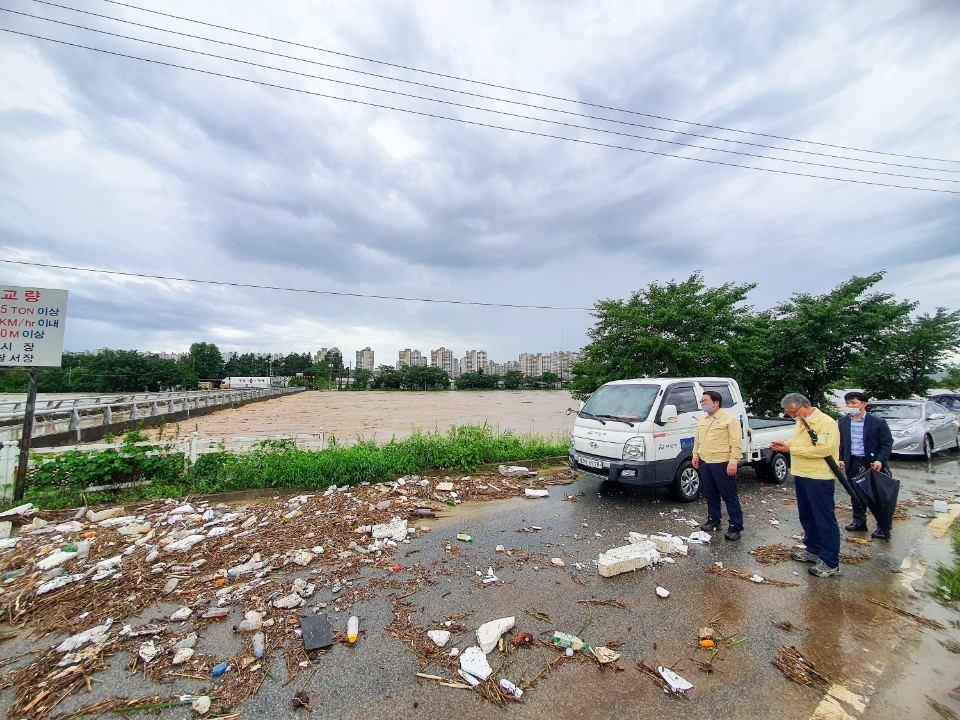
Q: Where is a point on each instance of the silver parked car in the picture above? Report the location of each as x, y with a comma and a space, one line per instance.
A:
919, 427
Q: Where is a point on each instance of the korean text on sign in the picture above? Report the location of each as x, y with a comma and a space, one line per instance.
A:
32, 322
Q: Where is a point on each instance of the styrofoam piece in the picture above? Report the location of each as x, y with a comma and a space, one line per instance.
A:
489, 633
627, 558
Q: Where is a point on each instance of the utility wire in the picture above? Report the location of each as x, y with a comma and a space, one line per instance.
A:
526, 92
482, 109
474, 122
453, 90
298, 290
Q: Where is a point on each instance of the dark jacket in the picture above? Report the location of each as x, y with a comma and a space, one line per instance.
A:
877, 440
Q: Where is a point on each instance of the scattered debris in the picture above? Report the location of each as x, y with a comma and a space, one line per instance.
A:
605, 655
522, 639
906, 613
784, 625
490, 633
662, 592
718, 569
439, 637
534, 493
302, 700
793, 665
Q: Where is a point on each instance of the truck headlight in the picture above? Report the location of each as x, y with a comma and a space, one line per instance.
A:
572, 443
633, 449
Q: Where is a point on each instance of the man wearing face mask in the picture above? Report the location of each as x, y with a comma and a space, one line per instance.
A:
717, 447
865, 442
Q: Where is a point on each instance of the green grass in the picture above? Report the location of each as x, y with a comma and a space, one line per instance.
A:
948, 577
278, 464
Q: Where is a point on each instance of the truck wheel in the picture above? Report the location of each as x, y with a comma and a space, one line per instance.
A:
779, 469
686, 484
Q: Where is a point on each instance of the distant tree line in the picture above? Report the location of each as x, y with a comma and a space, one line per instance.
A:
850, 337
130, 371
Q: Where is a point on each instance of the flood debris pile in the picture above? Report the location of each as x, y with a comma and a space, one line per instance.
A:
261, 566
794, 666
646, 551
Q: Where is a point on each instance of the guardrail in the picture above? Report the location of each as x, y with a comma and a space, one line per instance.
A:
72, 415
192, 447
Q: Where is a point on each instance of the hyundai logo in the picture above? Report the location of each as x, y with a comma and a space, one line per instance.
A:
593, 444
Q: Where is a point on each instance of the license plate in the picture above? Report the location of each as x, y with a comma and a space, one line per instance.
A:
590, 462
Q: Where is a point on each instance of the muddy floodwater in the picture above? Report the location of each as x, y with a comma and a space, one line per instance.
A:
382, 415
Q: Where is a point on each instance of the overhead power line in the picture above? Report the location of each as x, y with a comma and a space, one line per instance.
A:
481, 109
366, 296
453, 90
475, 122
520, 90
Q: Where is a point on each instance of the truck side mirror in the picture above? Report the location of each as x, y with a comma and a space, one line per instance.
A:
570, 410
668, 414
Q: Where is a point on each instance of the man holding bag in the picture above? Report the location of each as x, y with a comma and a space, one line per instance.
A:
865, 442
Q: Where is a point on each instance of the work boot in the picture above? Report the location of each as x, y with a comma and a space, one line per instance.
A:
822, 570
880, 534
805, 556
732, 535
710, 526
856, 527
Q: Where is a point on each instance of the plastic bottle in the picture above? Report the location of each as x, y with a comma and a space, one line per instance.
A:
252, 565
258, 645
220, 669
510, 687
564, 640
353, 628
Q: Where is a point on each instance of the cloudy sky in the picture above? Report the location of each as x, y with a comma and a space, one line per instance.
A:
116, 164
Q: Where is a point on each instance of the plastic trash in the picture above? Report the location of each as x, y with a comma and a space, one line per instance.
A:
565, 640
252, 565
510, 687
215, 614
258, 640
353, 628
464, 537
220, 669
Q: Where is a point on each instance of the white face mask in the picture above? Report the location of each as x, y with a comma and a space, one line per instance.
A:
852, 410
707, 406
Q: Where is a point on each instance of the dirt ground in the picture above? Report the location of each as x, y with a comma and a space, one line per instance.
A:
382, 415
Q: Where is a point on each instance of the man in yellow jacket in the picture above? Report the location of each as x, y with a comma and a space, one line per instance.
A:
717, 447
815, 438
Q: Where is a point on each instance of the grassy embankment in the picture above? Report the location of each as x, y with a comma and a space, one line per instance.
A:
948, 576
61, 481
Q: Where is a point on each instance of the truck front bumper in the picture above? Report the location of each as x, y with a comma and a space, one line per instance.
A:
629, 472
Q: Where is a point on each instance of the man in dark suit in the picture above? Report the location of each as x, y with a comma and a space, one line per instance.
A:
865, 442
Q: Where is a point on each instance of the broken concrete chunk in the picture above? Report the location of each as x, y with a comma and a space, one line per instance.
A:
182, 614
302, 557
444, 486
439, 637
147, 651
396, 530
289, 601
534, 493
626, 558
513, 471
489, 633
669, 544
662, 592
473, 662
557, 562
182, 655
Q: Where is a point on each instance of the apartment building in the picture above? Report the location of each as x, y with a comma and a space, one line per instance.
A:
412, 358
443, 358
365, 360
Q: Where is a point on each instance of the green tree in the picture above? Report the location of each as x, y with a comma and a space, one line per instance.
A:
421, 377
952, 378
513, 380
549, 380
900, 361
478, 380
811, 342
206, 360
362, 379
674, 329
386, 378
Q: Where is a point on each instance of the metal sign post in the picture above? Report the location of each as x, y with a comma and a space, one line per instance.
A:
26, 436
32, 322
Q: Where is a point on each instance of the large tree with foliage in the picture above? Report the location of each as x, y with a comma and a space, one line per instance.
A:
675, 329
422, 377
478, 380
206, 360
812, 342
900, 361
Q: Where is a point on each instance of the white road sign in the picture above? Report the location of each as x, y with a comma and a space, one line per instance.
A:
31, 326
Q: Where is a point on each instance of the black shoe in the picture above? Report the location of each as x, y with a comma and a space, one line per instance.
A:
710, 526
856, 527
732, 535
880, 534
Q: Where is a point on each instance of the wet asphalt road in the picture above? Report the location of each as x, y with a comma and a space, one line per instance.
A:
882, 665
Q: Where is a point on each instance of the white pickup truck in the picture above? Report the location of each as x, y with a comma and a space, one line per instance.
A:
640, 432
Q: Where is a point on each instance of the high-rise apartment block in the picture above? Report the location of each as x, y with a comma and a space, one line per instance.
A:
324, 353
443, 358
365, 359
412, 358
474, 360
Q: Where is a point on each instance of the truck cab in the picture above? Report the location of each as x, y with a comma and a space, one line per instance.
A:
641, 432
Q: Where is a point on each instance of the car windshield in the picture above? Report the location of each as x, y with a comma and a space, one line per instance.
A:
897, 411
629, 402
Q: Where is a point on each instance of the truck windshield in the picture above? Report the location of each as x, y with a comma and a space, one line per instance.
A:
628, 402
